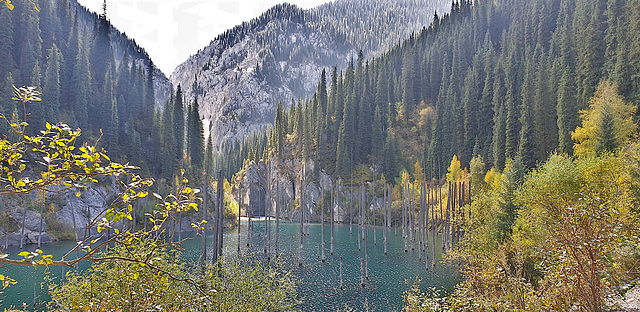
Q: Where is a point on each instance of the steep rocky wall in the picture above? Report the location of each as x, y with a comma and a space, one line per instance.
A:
261, 184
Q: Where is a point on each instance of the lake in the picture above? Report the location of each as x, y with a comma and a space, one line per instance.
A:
389, 275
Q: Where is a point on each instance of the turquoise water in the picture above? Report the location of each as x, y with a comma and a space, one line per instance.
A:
319, 287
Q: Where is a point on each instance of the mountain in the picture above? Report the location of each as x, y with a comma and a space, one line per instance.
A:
242, 74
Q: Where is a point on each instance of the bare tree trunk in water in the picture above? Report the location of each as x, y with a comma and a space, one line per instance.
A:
442, 226
366, 252
434, 225
41, 220
301, 219
362, 273
333, 204
341, 283
363, 213
249, 225
360, 220
278, 202
324, 257
220, 218
404, 215
205, 199
240, 200
412, 215
386, 222
420, 226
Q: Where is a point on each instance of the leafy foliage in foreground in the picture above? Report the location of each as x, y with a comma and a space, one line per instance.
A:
235, 285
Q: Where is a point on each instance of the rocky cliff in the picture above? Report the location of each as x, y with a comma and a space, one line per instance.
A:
263, 185
239, 78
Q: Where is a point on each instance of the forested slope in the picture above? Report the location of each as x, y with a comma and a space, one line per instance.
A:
501, 79
91, 76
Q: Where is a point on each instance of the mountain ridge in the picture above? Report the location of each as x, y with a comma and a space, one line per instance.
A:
243, 73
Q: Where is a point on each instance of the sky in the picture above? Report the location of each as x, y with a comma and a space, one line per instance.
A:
172, 30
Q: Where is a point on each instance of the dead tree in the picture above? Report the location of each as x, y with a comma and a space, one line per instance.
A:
386, 220
278, 202
240, 200
203, 257
322, 220
333, 205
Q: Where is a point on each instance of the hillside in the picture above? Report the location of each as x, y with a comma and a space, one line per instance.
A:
243, 73
504, 80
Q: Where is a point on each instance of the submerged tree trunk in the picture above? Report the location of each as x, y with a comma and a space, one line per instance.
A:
301, 220
240, 200
278, 202
405, 215
203, 260
322, 221
386, 221
42, 220
341, 281
333, 204
362, 273
434, 225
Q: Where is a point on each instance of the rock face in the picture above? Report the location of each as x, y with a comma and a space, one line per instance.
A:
239, 78
262, 183
76, 214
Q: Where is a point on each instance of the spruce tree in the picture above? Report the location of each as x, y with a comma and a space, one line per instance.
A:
178, 123
526, 147
82, 88
197, 138
51, 90
169, 142
470, 102
7, 62
36, 110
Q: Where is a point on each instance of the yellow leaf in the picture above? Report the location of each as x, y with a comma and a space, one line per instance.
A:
78, 194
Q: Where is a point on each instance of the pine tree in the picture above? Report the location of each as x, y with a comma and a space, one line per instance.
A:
197, 138
544, 112
178, 123
51, 90
35, 110
362, 142
470, 102
30, 43
526, 147
409, 82
499, 122
169, 142
377, 134
113, 126
101, 57
7, 63
82, 90
390, 158
279, 128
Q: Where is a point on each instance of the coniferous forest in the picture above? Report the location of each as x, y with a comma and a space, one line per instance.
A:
502, 80
505, 132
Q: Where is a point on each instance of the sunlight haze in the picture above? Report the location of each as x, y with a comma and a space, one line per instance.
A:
172, 30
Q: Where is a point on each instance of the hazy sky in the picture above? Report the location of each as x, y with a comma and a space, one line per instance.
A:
172, 30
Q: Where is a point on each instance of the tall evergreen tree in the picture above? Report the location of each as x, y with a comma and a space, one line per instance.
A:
197, 138
7, 62
178, 123
51, 90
